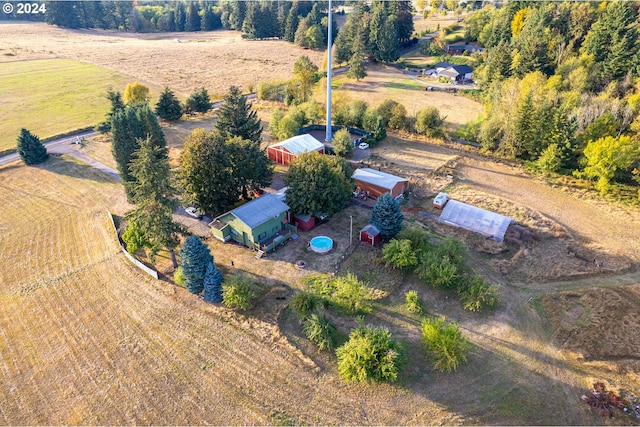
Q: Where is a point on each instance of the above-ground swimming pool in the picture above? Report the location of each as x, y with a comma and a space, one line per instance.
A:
321, 244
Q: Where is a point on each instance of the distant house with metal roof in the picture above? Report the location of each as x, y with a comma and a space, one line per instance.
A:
475, 219
286, 151
260, 224
459, 49
376, 183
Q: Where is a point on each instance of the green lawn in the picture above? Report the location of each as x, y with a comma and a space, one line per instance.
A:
53, 96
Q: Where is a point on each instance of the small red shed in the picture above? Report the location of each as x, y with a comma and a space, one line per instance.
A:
304, 222
370, 234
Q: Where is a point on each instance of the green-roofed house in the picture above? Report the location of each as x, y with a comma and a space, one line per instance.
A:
261, 224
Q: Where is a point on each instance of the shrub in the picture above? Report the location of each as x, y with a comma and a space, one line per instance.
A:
369, 355
271, 90
351, 295
373, 122
399, 254
413, 302
198, 102
430, 123
439, 272
178, 277
385, 109
479, 295
320, 331
444, 343
342, 143
237, 293
398, 119
304, 303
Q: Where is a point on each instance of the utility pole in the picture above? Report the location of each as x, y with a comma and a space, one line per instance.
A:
328, 136
351, 231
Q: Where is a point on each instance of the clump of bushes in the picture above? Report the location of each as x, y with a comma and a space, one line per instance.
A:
370, 355
320, 331
237, 292
346, 293
441, 265
478, 295
445, 345
413, 302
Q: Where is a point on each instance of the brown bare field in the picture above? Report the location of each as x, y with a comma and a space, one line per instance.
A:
214, 59
384, 82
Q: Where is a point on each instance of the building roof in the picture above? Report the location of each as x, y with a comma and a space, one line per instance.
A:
473, 218
377, 178
260, 210
300, 144
442, 65
371, 230
463, 47
456, 70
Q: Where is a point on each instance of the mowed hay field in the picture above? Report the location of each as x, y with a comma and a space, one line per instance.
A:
384, 82
53, 96
215, 59
85, 338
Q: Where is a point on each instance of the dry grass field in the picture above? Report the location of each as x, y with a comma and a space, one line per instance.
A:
388, 83
214, 60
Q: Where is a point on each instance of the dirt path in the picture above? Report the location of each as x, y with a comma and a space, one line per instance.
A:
615, 230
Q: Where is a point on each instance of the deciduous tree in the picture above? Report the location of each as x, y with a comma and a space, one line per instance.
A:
318, 185
342, 143
136, 93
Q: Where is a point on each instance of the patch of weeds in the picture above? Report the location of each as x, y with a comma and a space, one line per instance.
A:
278, 418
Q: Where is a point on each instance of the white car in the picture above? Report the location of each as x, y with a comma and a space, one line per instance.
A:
363, 146
194, 212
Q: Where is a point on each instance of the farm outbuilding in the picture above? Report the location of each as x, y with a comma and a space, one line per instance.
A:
370, 234
286, 151
304, 222
475, 219
376, 183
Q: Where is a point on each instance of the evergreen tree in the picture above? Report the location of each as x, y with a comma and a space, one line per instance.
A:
386, 47
30, 149
250, 166
237, 14
194, 260
205, 174
198, 101
193, 17
235, 118
300, 37
249, 25
291, 24
210, 21
168, 107
356, 67
386, 216
152, 192
212, 283
128, 126
180, 17
115, 99
402, 10
318, 185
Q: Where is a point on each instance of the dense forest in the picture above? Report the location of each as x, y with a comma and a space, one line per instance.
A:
561, 87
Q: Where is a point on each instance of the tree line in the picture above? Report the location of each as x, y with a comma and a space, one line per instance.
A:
561, 83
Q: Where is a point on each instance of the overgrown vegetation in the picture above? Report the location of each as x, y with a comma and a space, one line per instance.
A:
346, 293
445, 345
370, 355
237, 292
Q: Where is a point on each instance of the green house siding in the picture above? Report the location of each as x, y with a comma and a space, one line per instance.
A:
242, 233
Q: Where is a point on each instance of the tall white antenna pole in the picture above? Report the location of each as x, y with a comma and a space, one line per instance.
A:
329, 42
